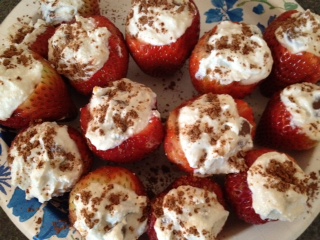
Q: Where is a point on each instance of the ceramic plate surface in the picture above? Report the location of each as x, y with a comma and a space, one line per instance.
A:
49, 221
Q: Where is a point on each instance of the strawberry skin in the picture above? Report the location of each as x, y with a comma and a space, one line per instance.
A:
204, 183
40, 45
238, 193
207, 85
275, 130
172, 145
106, 176
167, 59
115, 67
86, 154
240, 197
288, 68
50, 101
133, 149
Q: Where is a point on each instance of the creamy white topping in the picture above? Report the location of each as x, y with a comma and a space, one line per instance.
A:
301, 33
278, 187
212, 134
237, 53
110, 212
20, 73
27, 33
118, 112
58, 11
79, 49
162, 22
302, 100
195, 215
45, 161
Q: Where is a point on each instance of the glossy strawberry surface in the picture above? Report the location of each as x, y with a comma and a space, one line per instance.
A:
207, 85
50, 101
106, 176
288, 68
165, 59
172, 145
275, 129
133, 149
114, 68
204, 183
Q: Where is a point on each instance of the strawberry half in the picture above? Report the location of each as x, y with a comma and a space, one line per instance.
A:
239, 196
50, 101
163, 59
108, 179
275, 128
288, 68
207, 184
230, 62
238, 193
121, 122
114, 68
35, 36
276, 177
133, 149
172, 143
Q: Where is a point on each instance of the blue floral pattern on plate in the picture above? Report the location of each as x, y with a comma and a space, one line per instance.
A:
51, 219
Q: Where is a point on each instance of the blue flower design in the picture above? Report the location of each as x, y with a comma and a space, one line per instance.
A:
5, 177
270, 20
224, 11
54, 222
259, 9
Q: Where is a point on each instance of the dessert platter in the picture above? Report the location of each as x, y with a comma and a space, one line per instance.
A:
49, 220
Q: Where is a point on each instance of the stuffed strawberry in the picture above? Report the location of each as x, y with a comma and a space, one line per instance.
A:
191, 208
121, 122
291, 119
34, 35
294, 42
109, 203
162, 34
232, 59
273, 188
47, 160
55, 12
89, 52
31, 90
209, 134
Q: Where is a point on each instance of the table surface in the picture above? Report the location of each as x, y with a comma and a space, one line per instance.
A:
8, 229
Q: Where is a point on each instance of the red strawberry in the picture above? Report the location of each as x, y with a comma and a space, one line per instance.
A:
123, 104
288, 68
115, 67
160, 60
275, 129
172, 145
40, 45
50, 100
133, 149
223, 77
239, 195
86, 154
207, 184
106, 177
36, 41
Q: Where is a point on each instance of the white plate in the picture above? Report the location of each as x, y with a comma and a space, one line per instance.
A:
49, 221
